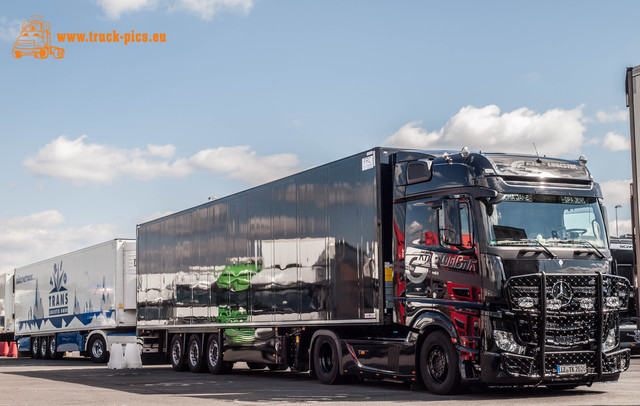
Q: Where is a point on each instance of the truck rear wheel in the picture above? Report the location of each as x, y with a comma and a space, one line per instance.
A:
98, 349
439, 364
176, 354
53, 349
35, 347
195, 357
44, 347
326, 363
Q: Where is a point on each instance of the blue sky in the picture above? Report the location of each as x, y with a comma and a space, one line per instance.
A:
244, 91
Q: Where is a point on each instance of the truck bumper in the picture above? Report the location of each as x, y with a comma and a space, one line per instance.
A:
511, 369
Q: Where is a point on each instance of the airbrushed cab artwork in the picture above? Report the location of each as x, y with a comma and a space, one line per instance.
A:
450, 269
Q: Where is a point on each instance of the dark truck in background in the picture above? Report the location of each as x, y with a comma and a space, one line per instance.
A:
623, 254
450, 269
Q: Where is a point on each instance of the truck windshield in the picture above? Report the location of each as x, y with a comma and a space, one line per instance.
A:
547, 220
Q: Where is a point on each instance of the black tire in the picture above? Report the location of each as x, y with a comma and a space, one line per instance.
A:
53, 349
213, 356
195, 354
35, 347
177, 354
326, 363
98, 350
439, 365
44, 347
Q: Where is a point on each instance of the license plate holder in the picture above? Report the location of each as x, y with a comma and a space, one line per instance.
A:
571, 369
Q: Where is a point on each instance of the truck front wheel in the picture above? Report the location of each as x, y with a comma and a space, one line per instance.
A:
326, 363
176, 354
439, 364
98, 350
195, 358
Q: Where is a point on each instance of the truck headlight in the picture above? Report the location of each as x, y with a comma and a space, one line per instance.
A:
526, 302
505, 341
610, 341
554, 304
587, 303
612, 301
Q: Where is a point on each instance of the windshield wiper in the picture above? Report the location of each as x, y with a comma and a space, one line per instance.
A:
547, 250
589, 243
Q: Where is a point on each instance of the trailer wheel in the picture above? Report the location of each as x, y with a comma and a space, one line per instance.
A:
195, 356
98, 349
176, 354
213, 356
325, 360
35, 347
44, 347
53, 349
439, 364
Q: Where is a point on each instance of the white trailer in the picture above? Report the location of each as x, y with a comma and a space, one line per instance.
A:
81, 301
6, 307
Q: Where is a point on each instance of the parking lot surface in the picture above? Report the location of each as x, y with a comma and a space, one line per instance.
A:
76, 381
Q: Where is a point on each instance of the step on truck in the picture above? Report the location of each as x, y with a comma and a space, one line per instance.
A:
445, 269
81, 301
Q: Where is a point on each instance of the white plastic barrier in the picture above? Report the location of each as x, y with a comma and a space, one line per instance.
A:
132, 356
116, 357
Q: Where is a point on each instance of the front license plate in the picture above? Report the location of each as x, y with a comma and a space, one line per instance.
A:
576, 369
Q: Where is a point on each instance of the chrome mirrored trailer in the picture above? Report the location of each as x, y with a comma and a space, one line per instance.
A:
448, 269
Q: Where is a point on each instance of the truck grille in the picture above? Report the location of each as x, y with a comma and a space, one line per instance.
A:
571, 307
559, 317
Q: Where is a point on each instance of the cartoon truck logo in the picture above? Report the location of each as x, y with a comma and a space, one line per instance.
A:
35, 39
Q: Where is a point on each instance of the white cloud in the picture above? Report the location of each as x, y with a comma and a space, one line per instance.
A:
32, 238
620, 115
115, 8
411, 135
205, 9
617, 192
80, 161
616, 142
554, 132
9, 30
242, 163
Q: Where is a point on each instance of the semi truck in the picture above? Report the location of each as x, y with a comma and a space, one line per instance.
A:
81, 301
6, 307
449, 269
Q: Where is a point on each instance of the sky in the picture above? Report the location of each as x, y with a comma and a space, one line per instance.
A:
241, 92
